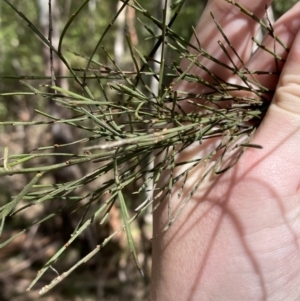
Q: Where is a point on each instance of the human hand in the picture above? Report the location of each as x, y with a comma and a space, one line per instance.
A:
238, 236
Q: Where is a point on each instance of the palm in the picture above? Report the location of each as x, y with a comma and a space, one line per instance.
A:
238, 237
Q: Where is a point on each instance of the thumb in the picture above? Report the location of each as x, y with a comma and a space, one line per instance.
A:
287, 96
281, 125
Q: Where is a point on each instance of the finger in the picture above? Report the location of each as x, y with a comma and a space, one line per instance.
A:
238, 27
286, 29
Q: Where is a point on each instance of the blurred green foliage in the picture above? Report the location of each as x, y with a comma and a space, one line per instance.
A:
281, 6
20, 50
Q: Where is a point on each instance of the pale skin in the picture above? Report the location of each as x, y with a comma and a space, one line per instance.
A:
238, 238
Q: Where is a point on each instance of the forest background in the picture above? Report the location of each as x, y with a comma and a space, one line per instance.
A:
111, 274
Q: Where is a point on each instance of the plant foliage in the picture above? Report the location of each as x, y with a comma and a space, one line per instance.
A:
121, 123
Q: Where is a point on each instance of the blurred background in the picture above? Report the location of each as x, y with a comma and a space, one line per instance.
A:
111, 274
